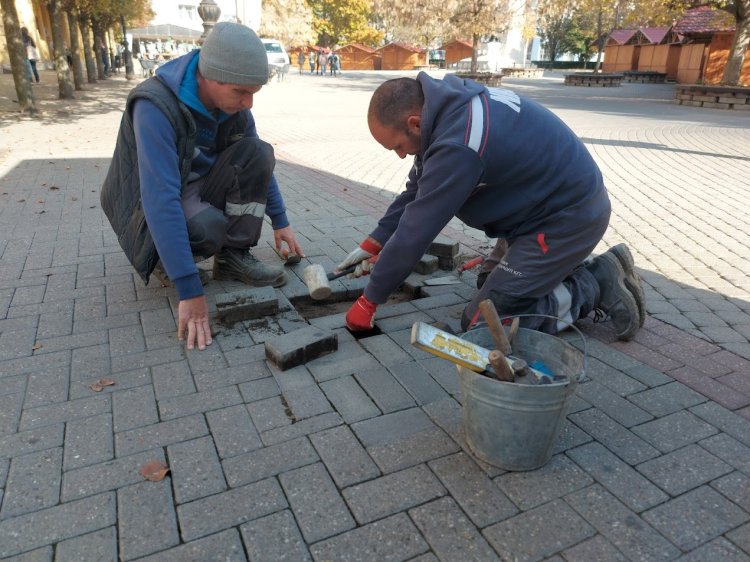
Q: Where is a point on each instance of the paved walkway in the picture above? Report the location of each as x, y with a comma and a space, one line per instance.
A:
361, 454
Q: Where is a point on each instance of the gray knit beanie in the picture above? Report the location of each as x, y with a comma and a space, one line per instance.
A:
232, 53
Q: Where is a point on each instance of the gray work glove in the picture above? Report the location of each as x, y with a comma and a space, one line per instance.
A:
361, 255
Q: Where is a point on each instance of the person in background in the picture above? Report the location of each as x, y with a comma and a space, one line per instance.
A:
322, 62
32, 54
301, 61
312, 59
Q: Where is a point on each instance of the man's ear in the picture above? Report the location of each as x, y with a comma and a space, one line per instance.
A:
414, 122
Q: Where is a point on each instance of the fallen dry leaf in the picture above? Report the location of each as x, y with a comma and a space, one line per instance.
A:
40, 200
54, 188
106, 382
36, 346
99, 385
96, 387
155, 471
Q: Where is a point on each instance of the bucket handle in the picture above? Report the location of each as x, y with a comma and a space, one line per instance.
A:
584, 377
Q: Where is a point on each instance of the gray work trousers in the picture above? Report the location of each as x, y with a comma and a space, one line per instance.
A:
226, 207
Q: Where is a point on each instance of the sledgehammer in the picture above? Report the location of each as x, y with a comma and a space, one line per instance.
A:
317, 279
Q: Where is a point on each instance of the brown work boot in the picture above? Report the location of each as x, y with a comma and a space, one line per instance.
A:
616, 302
632, 280
236, 264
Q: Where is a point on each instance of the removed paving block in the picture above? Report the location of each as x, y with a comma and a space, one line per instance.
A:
443, 247
427, 264
300, 346
247, 304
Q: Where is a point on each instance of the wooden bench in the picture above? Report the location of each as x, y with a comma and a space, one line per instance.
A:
593, 79
644, 76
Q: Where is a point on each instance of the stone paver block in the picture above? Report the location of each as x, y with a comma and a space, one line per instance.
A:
595, 548
64, 411
268, 461
736, 487
393, 538
233, 431
344, 457
349, 399
230, 509
301, 428
196, 470
385, 350
300, 346
674, 431
33, 482
225, 546
146, 519
725, 420
529, 489
427, 264
449, 532
616, 407
172, 379
316, 503
247, 304
187, 404
696, 517
159, 434
553, 526
684, 469
618, 477
392, 493
418, 382
99, 545
275, 538
719, 549
667, 399
133, 408
88, 441
56, 524
442, 246
623, 528
384, 389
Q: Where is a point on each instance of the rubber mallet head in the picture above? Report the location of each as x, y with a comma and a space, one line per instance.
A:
317, 282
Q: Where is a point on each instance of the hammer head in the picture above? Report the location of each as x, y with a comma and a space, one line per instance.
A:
316, 280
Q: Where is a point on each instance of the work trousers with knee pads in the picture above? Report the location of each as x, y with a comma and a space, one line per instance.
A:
226, 207
542, 273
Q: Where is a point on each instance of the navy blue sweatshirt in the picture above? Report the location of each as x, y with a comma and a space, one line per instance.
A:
159, 171
498, 161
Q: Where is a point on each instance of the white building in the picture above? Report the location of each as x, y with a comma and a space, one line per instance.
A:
185, 12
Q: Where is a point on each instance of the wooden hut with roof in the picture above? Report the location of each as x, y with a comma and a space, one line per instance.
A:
402, 56
356, 56
456, 50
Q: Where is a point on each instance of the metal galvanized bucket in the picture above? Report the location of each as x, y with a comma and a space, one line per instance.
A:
514, 426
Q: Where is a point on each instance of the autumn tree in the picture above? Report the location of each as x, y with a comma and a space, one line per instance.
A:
290, 21
480, 18
419, 22
18, 59
337, 22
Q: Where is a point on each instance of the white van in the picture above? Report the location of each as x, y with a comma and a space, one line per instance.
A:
278, 59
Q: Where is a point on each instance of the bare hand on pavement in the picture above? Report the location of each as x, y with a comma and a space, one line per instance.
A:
192, 315
286, 234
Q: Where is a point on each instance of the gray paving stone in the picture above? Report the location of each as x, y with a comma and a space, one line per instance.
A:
392, 493
617, 477
47, 386
259, 389
630, 534
629, 447
741, 537
306, 402
318, 508
99, 545
614, 379
126, 339
43, 554
596, 548
570, 436
81, 388
268, 461
725, 420
393, 539
385, 350
275, 538
449, 532
146, 519
248, 371
225, 546
735, 487
719, 549
33, 482
133, 408
64, 411
696, 517
56, 524
349, 359
418, 382
106, 476
148, 358
344, 457
667, 399
300, 346
10, 412
301, 428
391, 427
444, 372
616, 407
196, 470
554, 527
230, 509
233, 431
159, 434
32, 440
172, 379
270, 413
684, 469
384, 389
199, 402
349, 399
674, 431
529, 489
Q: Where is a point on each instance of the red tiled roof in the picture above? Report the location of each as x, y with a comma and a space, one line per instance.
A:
458, 41
359, 47
622, 36
405, 46
704, 19
654, 35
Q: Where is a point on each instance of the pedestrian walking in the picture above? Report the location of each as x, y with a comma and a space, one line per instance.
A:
506, 165
322, 62
301, 61
312, 59
187, 185
32, 54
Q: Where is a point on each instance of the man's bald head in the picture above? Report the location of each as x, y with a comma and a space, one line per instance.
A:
394, 101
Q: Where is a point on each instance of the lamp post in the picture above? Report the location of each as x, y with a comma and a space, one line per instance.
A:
209, 13
126, 54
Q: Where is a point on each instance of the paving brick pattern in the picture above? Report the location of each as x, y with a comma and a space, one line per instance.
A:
361, 454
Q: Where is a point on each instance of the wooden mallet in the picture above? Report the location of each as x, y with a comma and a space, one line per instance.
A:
317, 280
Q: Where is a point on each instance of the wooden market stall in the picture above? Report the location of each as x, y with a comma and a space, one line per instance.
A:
402, 56
356, 56
456, 50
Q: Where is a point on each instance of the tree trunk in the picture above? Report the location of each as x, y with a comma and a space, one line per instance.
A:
61, 62
18, 59
741, 40
126, 54
474, 49
600, 42
87, 54
75, 51
98, 42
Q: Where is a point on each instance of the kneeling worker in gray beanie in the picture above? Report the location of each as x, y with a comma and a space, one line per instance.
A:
190, 178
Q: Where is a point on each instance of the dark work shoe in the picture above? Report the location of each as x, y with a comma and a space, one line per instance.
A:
615, 300
235, 264
632, 281
164, 280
